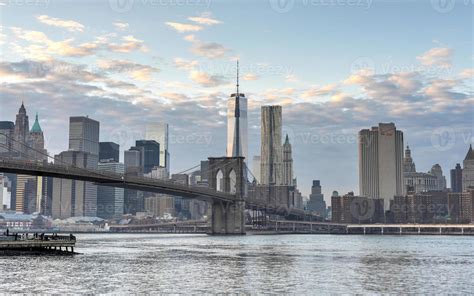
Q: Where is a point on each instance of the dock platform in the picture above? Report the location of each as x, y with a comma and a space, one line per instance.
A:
37, 244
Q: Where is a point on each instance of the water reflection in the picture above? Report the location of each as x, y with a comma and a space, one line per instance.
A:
134, 263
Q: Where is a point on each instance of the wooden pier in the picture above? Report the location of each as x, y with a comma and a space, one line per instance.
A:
37, 244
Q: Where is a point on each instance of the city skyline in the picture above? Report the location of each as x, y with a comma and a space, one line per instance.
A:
426, 90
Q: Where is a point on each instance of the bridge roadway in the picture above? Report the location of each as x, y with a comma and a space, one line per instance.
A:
8, 165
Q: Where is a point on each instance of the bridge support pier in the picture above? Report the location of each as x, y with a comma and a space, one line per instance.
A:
227, 174
228, 218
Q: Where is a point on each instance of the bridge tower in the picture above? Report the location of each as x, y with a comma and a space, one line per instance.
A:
227, 174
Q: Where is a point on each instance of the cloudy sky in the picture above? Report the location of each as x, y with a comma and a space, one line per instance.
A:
335, 66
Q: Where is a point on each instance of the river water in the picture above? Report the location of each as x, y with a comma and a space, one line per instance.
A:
303, 264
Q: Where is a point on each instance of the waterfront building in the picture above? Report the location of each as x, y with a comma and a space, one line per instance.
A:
352, 209
417, 182
468, 170
381, 162
316, 201
461, 206
7, 133
456, 178
423, 208
237, 126
271, 156
159, 132
109, 151
110, 200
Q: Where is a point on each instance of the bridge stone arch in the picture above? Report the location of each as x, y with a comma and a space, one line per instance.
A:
227, 165
228, 217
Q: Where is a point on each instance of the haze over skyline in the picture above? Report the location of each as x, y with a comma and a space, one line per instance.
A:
139, 62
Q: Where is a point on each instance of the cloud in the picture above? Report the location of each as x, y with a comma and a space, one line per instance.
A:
129, 44
182, 28
40, 47
69, 25
204, 20
207, 80
211, 50
136, 71
121, 26
319, 91
250, 77
183, 64
291, 78
438, 56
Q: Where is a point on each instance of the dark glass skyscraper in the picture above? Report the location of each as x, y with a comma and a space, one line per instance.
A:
109, 151
151, 154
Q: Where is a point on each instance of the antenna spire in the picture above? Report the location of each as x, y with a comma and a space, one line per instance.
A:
237, 77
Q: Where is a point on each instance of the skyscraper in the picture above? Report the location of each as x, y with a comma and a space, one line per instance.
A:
110, 200
237, 137
84, 134
109, 151
7, 130
159, 133
271, 149
381, 162
21, 132
468, 170
456, 178
151, 154
408, 164
36, 141
71, 197
316, 201
287, 163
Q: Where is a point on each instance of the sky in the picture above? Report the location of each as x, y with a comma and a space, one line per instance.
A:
336, 67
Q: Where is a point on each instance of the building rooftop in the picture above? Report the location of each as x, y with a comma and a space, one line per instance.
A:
470, 154
7, 125
36, 128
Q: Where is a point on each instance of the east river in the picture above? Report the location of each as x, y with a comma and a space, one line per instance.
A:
296, 264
